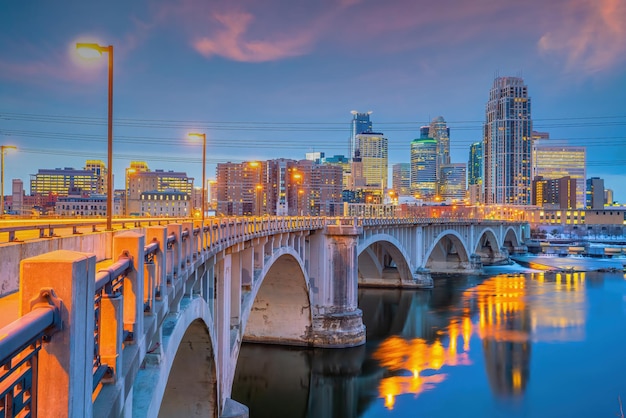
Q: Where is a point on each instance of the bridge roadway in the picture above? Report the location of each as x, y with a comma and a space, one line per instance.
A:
164, 319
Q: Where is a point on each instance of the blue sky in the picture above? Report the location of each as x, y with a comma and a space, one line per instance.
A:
279, 78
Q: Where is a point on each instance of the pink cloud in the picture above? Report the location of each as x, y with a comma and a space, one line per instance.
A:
591, 35
231, 41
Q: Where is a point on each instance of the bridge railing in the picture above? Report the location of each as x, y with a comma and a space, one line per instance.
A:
20, 343
19, 230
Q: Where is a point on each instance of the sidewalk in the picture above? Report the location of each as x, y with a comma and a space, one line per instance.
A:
9, 308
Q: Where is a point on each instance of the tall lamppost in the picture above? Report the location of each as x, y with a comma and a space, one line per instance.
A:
109, 49
2, 150
203, 137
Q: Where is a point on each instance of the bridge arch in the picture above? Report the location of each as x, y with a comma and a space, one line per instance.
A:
281, 309
180, 376
510, 239
382, 260
448, 253
487, 246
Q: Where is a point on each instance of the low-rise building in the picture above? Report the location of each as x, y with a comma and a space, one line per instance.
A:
166, 203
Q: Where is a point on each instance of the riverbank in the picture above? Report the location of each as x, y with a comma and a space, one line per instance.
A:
554, 262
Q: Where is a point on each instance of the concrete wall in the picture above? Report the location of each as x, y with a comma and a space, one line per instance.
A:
12, 253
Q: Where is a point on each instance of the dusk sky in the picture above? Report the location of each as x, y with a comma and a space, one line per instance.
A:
275, 78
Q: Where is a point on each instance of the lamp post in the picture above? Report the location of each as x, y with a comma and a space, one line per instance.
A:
203, 136
109, 49
2, 149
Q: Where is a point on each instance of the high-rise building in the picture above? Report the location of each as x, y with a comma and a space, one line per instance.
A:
401, 179
343, 162
475, 164
424, 167
360, 123
452, 181
595, 193
507, 143
440, 132
373, 150
554, 162
98, 167
554, 193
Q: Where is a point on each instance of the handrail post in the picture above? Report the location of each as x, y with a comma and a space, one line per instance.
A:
111, 333
159, 233
131, 244
65, 363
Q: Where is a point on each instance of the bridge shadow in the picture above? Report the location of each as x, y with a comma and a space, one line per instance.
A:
192, 384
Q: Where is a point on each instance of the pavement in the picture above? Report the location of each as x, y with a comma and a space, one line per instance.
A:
9, 308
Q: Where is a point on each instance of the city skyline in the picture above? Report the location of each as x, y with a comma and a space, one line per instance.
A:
267, 81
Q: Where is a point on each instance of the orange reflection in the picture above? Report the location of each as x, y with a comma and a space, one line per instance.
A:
509, 312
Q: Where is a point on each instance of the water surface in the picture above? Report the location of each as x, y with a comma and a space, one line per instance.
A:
508, 345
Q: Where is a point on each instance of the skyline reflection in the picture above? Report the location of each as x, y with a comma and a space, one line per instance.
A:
471, 337
507, 313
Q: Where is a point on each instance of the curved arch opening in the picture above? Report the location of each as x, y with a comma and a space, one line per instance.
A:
448, 255
511, 242
281, 312
488, 249
191, 389
382, 264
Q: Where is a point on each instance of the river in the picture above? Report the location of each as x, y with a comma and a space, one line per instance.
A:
501, 345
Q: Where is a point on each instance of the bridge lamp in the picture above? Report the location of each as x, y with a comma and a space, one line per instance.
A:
3, 149
88, 50
202, 136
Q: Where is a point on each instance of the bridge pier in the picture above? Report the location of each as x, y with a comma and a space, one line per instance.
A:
336, 319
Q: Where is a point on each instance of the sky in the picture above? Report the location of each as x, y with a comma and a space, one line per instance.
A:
276, 78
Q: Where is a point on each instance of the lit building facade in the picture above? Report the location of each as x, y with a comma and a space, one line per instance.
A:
99, 168
343, 162
554, 162
424, 167
554, 193
83, 206
360, 123
166, 203
140, 181
439, 131
475, 164
452, 182
279, 187
507, 143
373, 148
595, 193
401, 179
62, 182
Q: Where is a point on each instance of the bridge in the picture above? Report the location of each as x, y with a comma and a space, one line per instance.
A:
149, 320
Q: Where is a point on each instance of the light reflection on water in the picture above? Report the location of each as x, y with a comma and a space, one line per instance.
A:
506, 345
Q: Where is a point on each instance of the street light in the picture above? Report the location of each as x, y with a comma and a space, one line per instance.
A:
109, 49
203, 136
2, 149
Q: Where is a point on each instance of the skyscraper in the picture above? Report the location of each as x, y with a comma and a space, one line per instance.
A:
424, 167
507, 143
475, 164
452, 183
373, 150
360, 123
439, 131
401, 178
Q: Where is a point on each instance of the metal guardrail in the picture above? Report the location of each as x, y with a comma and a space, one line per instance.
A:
46, 228
20, 342
109, 283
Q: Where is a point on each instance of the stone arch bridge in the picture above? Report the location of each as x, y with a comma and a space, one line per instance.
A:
170, 308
